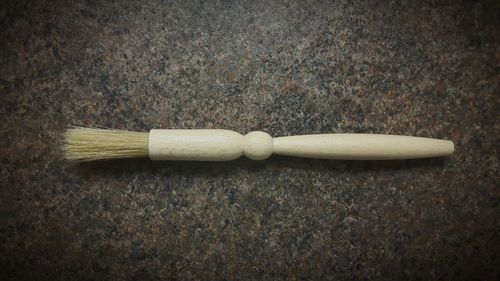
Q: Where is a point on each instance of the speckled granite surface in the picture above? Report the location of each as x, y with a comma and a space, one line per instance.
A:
414, 68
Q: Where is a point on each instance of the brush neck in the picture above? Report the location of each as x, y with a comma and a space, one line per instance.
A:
208, 145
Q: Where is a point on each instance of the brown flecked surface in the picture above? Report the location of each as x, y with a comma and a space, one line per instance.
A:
423, 68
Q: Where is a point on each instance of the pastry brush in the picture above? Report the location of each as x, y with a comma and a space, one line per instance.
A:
88, 144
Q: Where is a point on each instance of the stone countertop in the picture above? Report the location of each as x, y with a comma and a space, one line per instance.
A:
423, 68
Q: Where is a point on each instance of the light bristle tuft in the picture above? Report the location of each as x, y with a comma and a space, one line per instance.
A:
88, 144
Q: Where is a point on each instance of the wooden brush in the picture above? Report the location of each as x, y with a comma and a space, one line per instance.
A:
88, 144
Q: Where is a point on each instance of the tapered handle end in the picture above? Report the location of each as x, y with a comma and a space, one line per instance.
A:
362, 147
448, 148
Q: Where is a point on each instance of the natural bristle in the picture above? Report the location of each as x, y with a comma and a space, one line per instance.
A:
88, 144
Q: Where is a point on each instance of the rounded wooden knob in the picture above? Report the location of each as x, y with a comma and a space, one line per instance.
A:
257, 145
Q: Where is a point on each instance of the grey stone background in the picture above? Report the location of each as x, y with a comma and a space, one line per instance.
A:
423, 68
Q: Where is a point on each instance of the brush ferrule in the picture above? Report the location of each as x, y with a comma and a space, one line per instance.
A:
198, 145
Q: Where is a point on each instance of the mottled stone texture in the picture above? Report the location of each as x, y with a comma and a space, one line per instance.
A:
424, 68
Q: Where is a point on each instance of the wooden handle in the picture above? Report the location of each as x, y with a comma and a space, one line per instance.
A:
220, 145
362, 147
